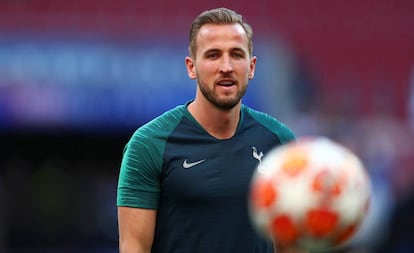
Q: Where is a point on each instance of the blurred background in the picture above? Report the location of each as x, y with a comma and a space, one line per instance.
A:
78, 77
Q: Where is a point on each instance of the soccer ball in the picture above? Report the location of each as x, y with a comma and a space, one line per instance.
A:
312, 194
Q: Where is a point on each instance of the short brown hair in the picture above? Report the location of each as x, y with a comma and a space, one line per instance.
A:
218, 16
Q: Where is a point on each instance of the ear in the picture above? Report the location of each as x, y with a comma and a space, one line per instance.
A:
252, 67
189, 63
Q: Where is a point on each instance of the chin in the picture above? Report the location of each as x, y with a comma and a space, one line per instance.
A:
226, 104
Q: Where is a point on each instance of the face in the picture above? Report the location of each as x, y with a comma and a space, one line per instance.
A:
221, 65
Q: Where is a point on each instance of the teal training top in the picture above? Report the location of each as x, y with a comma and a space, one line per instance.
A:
199, 184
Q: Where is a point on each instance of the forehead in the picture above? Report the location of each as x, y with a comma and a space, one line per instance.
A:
212, 35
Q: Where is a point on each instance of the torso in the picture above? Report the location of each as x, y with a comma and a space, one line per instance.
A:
204, 182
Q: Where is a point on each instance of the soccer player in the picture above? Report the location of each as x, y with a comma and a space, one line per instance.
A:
185, 175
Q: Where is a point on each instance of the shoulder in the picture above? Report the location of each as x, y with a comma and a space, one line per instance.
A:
146, 145
163, 124
155, 133
283, 132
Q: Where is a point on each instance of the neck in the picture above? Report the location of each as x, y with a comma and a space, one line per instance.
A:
222, 124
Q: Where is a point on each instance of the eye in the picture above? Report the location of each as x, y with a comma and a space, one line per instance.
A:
238, 55
212, 55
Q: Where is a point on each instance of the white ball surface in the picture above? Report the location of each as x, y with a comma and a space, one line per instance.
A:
312, 193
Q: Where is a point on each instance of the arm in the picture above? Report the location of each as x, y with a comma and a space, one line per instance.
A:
136, 229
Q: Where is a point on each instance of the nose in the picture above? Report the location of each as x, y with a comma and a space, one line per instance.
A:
226, 65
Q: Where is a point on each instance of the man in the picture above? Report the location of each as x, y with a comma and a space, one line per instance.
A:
185, 175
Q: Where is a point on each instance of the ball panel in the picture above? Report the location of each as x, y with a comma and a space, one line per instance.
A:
295, 162
346, 234
263, 193
326, 182
321, 222
284, 230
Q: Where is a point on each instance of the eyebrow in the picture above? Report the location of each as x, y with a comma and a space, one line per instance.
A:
215, 50
212, 50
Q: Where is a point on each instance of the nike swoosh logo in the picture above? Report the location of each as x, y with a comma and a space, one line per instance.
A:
188, 165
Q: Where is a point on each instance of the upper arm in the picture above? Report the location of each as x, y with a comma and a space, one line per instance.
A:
139, 175
138, 195
136, 229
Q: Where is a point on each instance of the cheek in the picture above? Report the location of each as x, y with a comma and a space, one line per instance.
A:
243, 67
245, 70
206, 68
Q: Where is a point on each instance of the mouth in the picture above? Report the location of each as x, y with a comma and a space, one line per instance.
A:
226, 82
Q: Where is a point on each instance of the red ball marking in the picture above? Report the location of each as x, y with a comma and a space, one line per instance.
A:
295, 162
346, 234
325, 182
321, 222
263, 193
284, 230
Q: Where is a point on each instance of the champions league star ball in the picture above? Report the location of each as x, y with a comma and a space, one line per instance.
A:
311, 194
